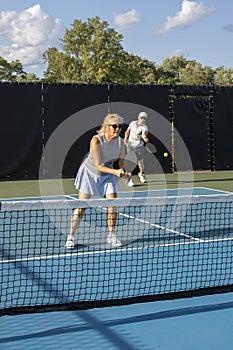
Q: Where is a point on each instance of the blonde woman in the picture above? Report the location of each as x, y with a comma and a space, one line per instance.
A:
96, 176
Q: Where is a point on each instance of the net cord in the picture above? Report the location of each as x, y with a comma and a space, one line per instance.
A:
116, 202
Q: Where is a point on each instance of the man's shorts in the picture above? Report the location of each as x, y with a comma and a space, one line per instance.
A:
138, 150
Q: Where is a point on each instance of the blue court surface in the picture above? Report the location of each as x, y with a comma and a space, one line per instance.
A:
136, 194
191, 323
184, 324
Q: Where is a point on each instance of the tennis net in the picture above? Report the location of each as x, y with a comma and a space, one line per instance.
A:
171, 247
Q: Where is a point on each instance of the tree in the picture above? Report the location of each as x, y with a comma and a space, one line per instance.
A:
91, 54
147, 71
170, 70
10, 71
133, 69
195, 74
223, 76
61, 67
27, 78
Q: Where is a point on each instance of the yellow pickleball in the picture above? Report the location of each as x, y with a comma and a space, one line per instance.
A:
165, 154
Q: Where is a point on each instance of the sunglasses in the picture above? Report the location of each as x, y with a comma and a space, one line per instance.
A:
115, 126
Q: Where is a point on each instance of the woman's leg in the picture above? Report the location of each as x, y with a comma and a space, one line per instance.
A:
111, 216
75, 221
111, 220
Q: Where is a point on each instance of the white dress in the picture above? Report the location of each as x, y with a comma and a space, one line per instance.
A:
89, 181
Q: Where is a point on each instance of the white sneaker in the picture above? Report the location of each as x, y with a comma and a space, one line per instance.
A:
113, 240
142, 177
130, 183
70, 242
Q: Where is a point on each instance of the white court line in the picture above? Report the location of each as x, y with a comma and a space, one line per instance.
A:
69, 196
157, 226
214, 190
161, 227
120, 249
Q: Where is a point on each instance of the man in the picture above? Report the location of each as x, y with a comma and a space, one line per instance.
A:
134, 138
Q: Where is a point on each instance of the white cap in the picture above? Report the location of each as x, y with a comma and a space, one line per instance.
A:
143, 115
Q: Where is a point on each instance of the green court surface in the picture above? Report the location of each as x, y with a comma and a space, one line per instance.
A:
215, 180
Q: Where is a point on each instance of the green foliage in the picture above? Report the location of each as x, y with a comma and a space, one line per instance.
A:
61, 67
92, 53
9, 71
180, 71
223, 76
170, 70
195, 74
27, 78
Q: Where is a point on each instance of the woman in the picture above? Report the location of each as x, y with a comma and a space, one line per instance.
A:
96, 175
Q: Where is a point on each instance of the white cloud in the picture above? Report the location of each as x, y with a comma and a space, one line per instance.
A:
28, 34
5, 18
191, 11
177, 52
127, 19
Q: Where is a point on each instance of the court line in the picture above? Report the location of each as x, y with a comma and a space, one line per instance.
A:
160, 227
70, 197
156, 225
115, 250
215, 190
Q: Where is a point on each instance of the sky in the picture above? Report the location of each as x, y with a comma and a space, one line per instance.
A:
152, 29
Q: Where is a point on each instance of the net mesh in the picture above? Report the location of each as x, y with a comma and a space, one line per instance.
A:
169, 245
